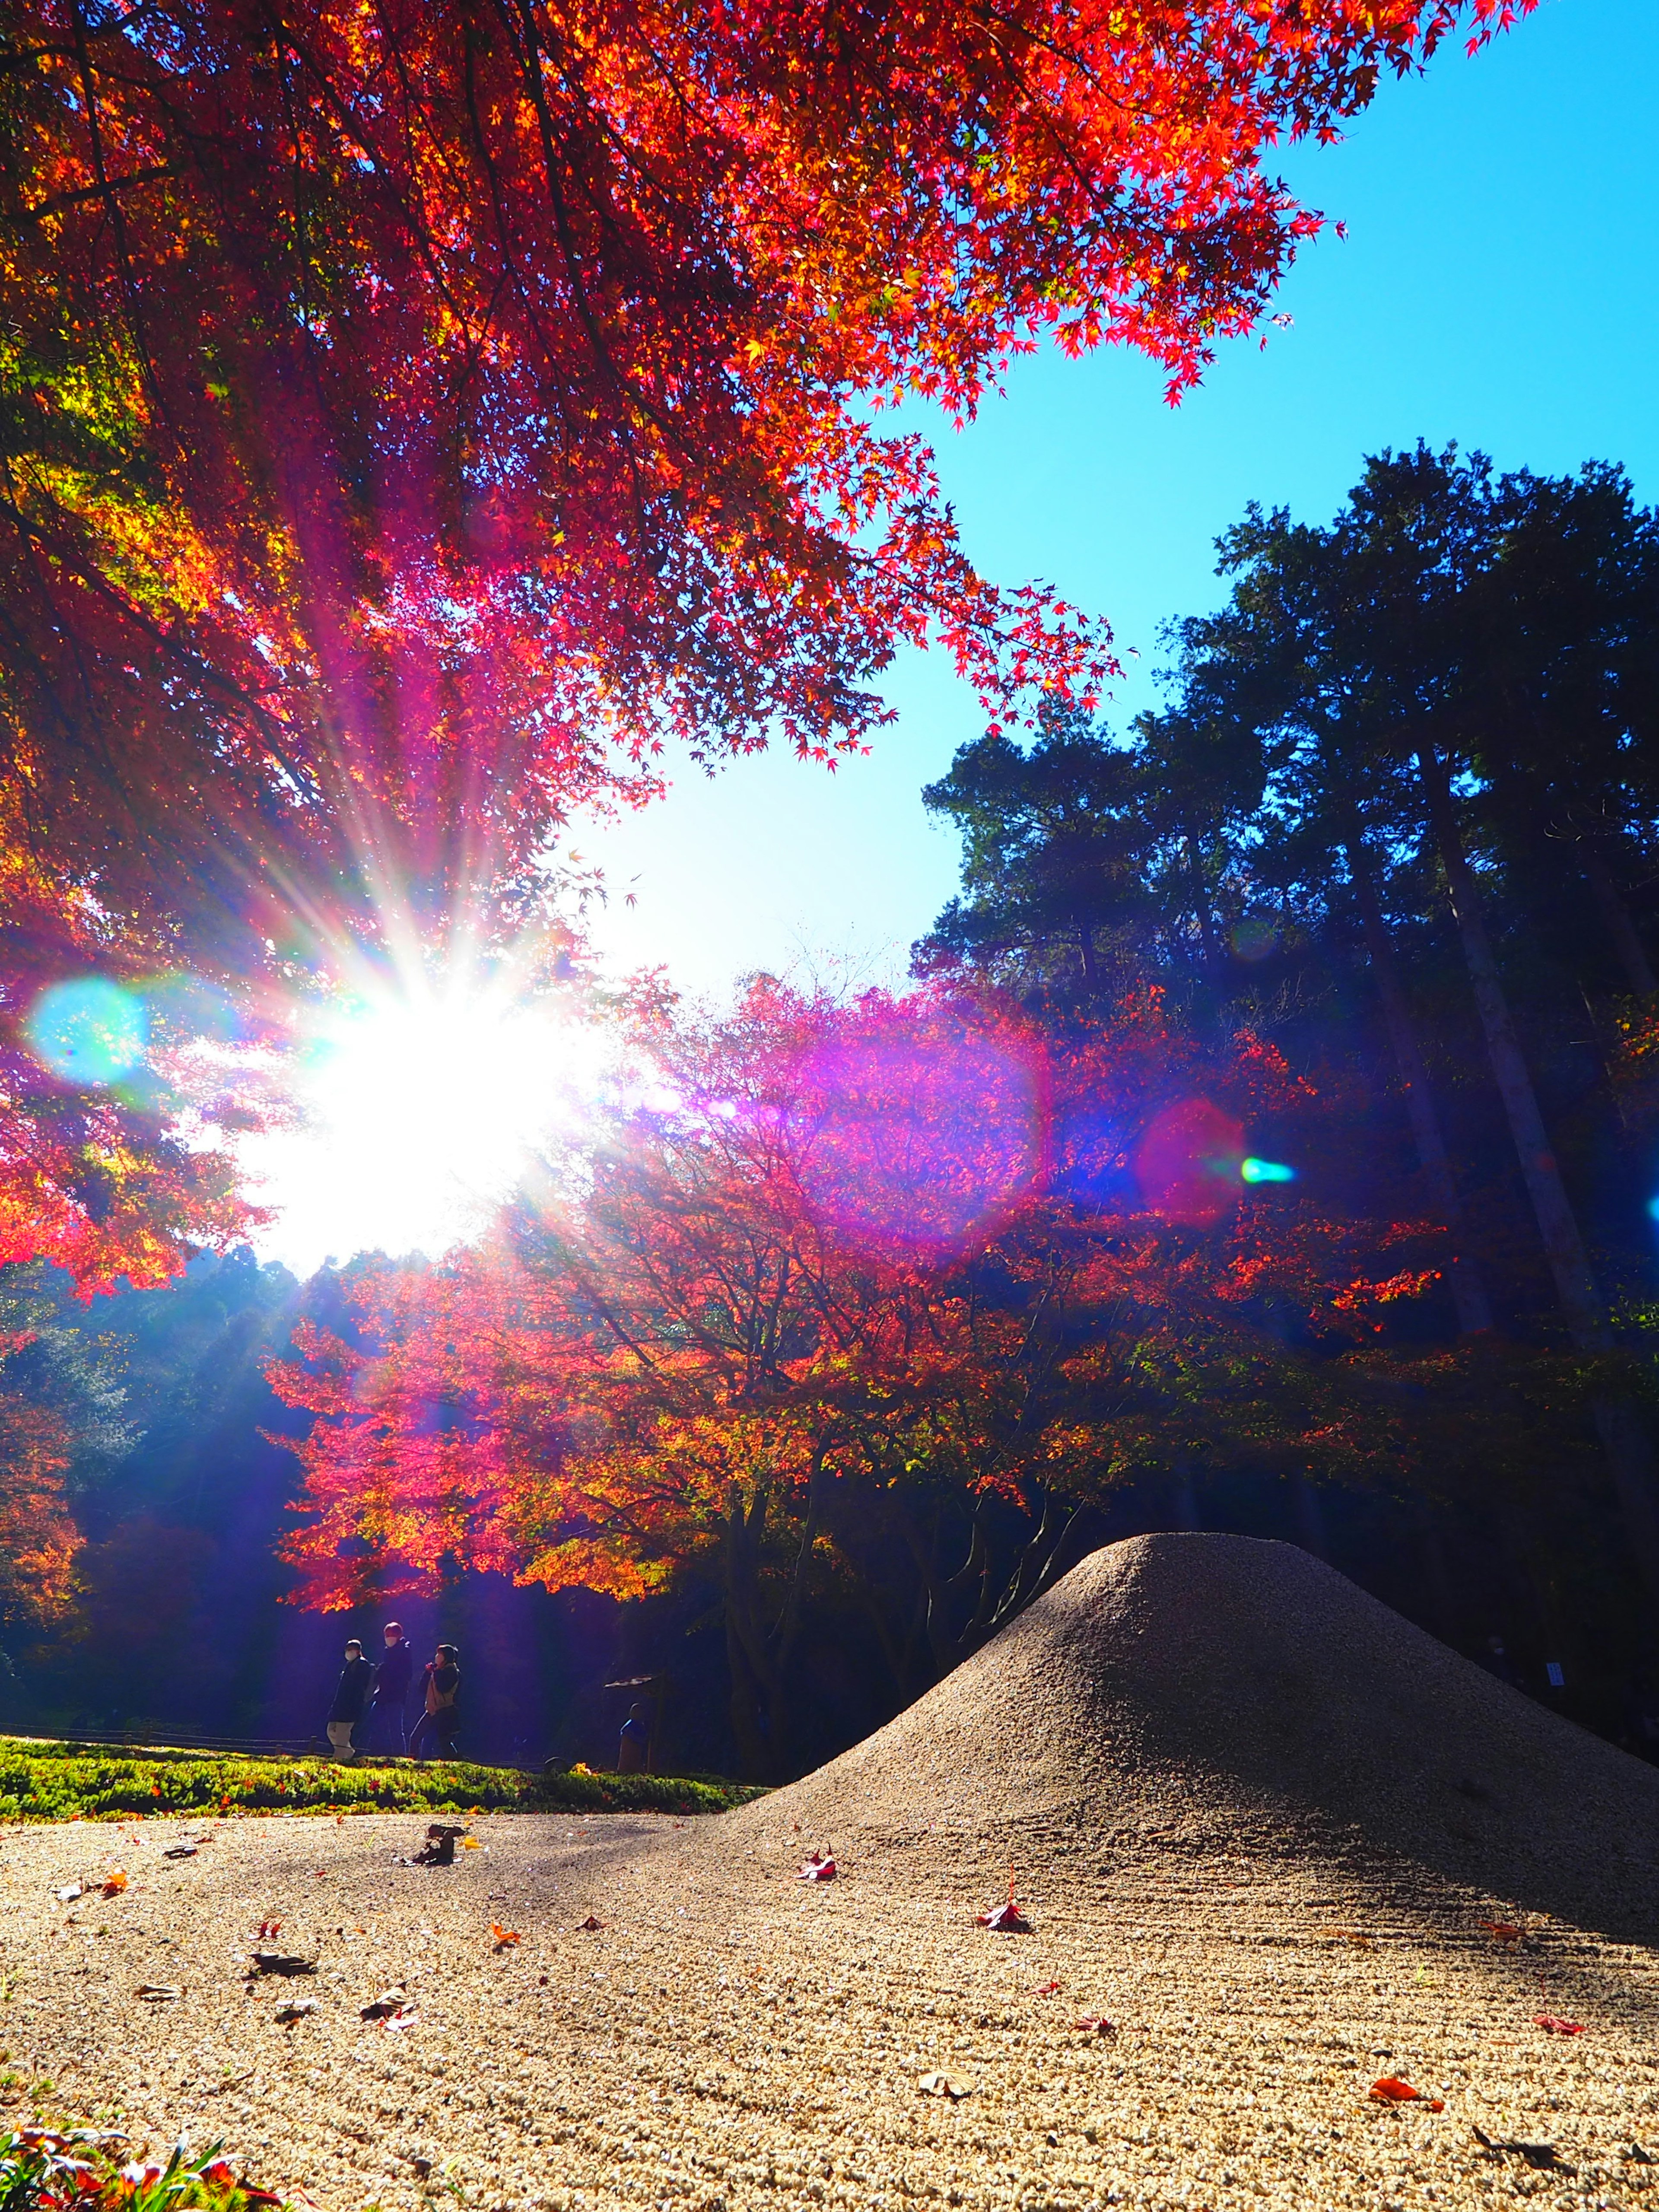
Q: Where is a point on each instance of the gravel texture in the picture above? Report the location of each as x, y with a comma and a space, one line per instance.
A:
1229, 1786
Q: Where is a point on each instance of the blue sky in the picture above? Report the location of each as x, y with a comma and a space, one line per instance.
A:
1497, 286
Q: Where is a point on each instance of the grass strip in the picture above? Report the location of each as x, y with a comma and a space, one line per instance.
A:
47, 1781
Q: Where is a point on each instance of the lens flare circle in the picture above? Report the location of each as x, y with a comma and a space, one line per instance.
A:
87, 1031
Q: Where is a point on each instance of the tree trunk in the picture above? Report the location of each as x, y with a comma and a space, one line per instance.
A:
1468, 1289
1619, 1422
1616, 916
1206, 936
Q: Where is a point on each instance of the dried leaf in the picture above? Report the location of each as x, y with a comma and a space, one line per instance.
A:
471, 1844
115, 1882
1047, 1990
1504, 1932
283, 1962
270, 1928
1391, 2090
941, 2085
504, 1936
1539, 2155
181, 1851
160, 1992
1097, 2024
293, 2008
590, 1926
1552, 2024
1004, 1920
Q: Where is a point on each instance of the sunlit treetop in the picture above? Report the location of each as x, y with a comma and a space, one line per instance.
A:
419, 411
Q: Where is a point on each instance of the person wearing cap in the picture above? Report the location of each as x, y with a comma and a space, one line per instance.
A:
350, 1699
385, 1730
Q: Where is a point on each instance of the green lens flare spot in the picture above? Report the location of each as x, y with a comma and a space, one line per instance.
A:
87, 1031
1255, 1171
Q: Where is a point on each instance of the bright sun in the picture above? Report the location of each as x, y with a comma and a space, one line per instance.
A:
421, 1113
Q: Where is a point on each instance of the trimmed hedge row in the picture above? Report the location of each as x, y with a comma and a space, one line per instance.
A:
42, 1781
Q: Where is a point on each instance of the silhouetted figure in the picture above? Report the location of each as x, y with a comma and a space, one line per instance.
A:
636, 1742
350, 1699
384, 1731
440, 1686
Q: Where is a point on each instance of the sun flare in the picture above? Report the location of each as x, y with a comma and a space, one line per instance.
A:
419, 1112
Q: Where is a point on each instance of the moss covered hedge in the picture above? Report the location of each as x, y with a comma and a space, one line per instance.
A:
51, 1781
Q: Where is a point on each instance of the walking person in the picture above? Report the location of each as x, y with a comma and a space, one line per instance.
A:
350, 1699
385, 1731
440, 1686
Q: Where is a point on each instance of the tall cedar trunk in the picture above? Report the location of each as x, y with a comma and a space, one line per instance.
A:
1468, 1289
760, 1653
1617, 918
1206, 919
1619, 1422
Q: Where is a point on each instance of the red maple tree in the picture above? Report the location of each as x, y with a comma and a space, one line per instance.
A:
845, 1277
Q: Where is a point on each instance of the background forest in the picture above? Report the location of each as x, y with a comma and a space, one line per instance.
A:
1335, 982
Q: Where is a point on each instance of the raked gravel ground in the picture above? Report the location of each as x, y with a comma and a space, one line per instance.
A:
732, 2037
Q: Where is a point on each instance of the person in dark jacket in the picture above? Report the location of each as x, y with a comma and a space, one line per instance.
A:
385, 1731
440, 1687
350, 1699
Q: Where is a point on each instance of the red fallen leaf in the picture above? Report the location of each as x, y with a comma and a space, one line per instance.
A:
504, 1935
1504, 1930
1047, 1990
821, 1867
1006, 1920
1552, 2024
1391, 2090
1096, 2023
270, 1928
591, 1926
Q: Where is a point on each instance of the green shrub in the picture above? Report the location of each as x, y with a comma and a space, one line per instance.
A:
47, 1781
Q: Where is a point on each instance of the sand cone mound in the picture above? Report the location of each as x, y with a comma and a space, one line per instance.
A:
1198, 1693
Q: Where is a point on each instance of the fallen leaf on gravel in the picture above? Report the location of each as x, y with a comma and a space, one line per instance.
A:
821, 1867
270, 1928
160, 1992
1505, 1931
295, 2008
1004, 1920
1391, 2090
1097, 2024
283, 1962
114, 1883
1539, 2155
590, 1926
70, 1892
941, 2085
181, 1851
1047, 1990
1355, 1935
1552, 2024
504, 1935
471, 1844
388, 2001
